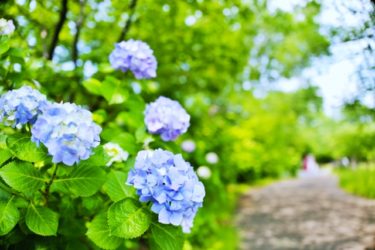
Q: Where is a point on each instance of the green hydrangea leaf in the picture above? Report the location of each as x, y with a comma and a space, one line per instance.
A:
99, 233
114, 91
99, 158
4, 47
5, 191
9, 216
5, 155
22, 176
92, 204
125, 140
93, 86
127, 219
24, 149
41, 220
3, 141
111, 89
116, 188
166, 237
85, 180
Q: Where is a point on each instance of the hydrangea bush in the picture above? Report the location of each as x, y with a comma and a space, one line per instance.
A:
71, 178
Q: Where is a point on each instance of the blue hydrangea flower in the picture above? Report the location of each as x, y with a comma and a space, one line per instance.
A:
167, 118
135, 56
170, 183
67, 131
21, 106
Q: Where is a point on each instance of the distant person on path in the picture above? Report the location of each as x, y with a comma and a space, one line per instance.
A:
310, 167
305, 163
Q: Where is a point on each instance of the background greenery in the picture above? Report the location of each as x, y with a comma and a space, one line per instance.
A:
212, 57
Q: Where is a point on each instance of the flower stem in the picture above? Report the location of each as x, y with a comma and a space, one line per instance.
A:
46, 193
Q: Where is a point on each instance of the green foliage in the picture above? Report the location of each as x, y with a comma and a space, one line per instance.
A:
361, 138
5, 155
84, 180
9, 216
24, 149
359, 181
23, 177
98, 231
166, 237
111, 89
128, 219
115, 187
41, 220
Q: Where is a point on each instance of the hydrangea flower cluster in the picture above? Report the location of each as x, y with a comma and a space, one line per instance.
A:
6, 27
167, 118
116, 153
21, 106
135, 56
67, 131
170, 183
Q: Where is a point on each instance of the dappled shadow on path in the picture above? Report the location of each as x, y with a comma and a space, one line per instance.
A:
308, 213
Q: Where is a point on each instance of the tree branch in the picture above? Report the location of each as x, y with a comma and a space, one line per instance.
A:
128, 23
59, 25
79, 24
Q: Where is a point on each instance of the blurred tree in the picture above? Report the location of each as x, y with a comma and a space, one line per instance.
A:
358, 36
205, 50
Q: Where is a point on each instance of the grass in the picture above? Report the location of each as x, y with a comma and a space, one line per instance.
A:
359, 181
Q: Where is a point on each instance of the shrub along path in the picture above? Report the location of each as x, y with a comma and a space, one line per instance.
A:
308, 213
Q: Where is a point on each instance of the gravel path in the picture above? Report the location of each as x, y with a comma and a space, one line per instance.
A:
308, 213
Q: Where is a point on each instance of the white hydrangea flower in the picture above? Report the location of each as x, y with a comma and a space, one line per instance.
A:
212, 158
116, 153
204, 172
6, 27
188, 146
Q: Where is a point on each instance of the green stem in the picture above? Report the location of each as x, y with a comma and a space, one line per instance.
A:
28, 127
46, 193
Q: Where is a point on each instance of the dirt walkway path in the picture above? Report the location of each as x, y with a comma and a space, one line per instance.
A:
309, 213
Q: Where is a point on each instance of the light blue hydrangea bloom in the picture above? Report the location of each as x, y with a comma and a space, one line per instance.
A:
167, 118
67, 131
170, 183
135, 56
21, 106
6, 27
